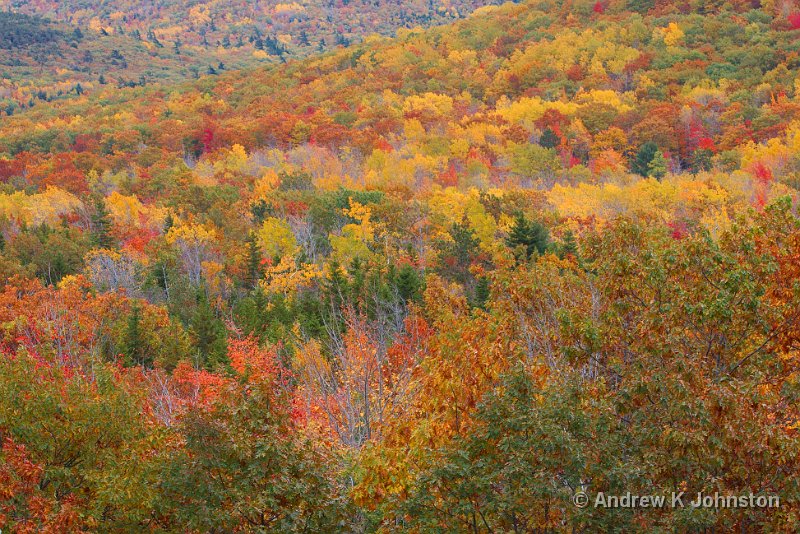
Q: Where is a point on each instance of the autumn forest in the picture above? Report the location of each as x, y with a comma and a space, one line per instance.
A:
376, 266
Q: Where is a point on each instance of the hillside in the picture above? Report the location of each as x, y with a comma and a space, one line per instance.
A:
138, 43
451, 280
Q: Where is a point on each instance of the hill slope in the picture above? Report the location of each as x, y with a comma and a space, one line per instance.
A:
451, 281
136, 43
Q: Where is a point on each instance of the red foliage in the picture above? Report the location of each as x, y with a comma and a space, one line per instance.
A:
24, 503
208, 140
599, 7
679, 229
295, 208
448, 177
763, 177
762, 173
794, 20
66, 175
383, 144
139, 238
706, 143
575, 73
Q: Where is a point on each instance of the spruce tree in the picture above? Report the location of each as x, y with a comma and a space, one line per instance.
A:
532, 236
482, 293
641, 164
549, 139
569, 247
657, 167
134, 346
101, 225
254, 271
208, 334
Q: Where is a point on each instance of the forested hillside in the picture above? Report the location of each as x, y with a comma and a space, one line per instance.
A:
129, 44
445, 281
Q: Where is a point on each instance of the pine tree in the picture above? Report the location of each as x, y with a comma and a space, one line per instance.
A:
641, 164
101, 225
304, 38
569, 247
459, 253
253, 261
208, 334
335, 289
482, 293
409, 284
657, 167
532, 236
134, 346
549, 139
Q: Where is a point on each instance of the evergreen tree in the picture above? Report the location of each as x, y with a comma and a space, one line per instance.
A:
549, 139
532, 236
409, 284
254, 271
458, 253
657, 167
482, 293
646, 153
134, 346
101, 225
335, 289
569, 247
208, 334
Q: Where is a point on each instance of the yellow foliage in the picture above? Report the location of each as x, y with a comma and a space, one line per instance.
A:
528, 110
436, 104
276, 238
40, 208
356, 238
648, 198
129, 211
452, 206
776, 153
190, 233
286, 277
673, 35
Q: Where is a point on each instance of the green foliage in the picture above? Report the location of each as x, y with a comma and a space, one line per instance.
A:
51, 253
528, 237
647, 152
88, 436
18, 31
457, 254
133, 345
101, 225
657, 166
244, 464
549, 139
534, 161
207, 333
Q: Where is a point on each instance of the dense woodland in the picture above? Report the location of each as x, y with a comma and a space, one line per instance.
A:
434, 282
137, 43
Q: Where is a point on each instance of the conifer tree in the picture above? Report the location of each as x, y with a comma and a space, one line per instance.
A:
532, 236
208, 334
101, 225
134, 346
